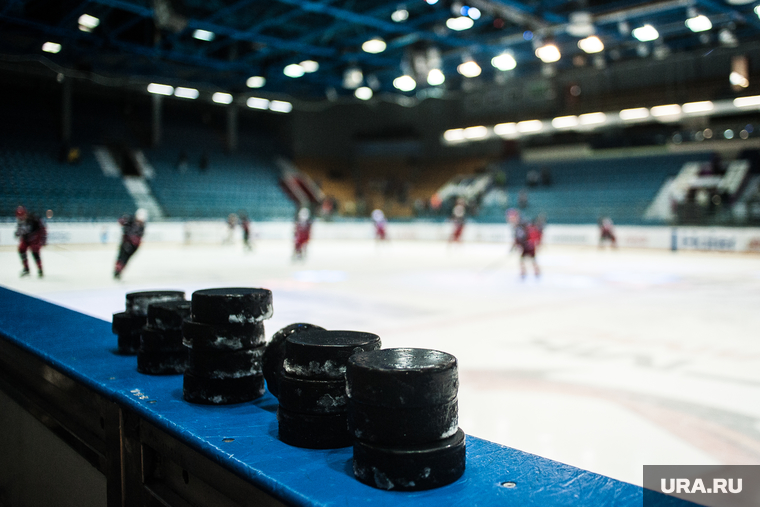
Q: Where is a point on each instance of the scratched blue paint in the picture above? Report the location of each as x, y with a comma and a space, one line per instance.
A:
83, 347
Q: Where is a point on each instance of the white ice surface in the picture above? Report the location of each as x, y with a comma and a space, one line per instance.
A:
609, 361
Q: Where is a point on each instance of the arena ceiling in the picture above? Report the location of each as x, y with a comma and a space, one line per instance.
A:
218, 45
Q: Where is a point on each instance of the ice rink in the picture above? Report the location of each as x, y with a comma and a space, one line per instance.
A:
609, 361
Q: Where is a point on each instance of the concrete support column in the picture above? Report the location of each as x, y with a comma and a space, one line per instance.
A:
232, 128
155, 131
66, 110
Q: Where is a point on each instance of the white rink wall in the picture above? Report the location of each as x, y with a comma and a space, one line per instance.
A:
210, 232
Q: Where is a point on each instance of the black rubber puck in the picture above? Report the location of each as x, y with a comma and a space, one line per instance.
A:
226, 364
324, 354
161, 339
129, 342
313, 431
125, 322
222, 336
223, 391
275, 353
137, 302
410, 468
168, 315
402, 377
235, 305
312, 396
402, 425
161, 363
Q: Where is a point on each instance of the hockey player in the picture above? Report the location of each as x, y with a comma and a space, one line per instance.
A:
378, 218
302, 233
606, 232
245, 224
133, 228
457, 217
32, 235
527, 238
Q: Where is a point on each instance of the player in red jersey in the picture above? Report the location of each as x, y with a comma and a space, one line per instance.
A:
606, 232
527, 238
378, 218
32, 235
133, 228
302, 233
457, 217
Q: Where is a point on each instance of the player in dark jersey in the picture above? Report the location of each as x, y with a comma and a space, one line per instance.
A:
32, 235
527, 238
133, 228
606, 232
302, 233
245, 224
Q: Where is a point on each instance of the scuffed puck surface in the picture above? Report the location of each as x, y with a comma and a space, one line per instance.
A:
158, 339
125, 322
275, 353
137, 302
225, 391
198, 335
403, 425
312, 396
220, 364
313, 431
402, 377
169, 314
410, 468
234, 305
324, 354
162, 362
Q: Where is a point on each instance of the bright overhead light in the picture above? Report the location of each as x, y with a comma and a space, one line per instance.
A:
757, 10
473, 12
504, 61
431, 2
51, 47
592, 118
666, 110
280, 106
564, 122
87, 23
646, 33
257, 103
592, 44
405, 83
737, 79
435, 77
400, 15
548, 53
697, 107
505, 129
454, 135
747, 101
529, 126
699, 23
293, 70
469, 69
352, 78
363, 93
185, 93
160, 89
460, 23
374, 46
256, 82
222, 98
203, 35
636, 113
478, 132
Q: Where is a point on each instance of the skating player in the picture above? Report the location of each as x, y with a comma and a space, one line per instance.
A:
606, 232
527, 238
378, 218
457, 217
133, 228
302, 233
32, 235
245, 224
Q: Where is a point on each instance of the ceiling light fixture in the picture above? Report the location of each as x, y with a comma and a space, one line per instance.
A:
505, 129
204, 35
697, 107
374, 46
256, 82
666, 110
280, 106
51, 47
636, 113
592, 44
504, 61
592, 118
186, 93
454, 135
363, 93
400, 15
469, 69
436, 77
479, 132
160, 89
293, 70
548, 53
700, 23
87, 23
309, 66
529, 126
564, 122
752, 101
257, 103
405, 83
646, 33
460, 23
222, 98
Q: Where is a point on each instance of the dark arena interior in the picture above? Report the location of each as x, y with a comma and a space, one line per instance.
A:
540, 218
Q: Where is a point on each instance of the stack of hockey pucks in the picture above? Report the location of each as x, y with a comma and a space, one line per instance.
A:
274, 354
403, 416
312, 387
226, 340
161, 349
128, 325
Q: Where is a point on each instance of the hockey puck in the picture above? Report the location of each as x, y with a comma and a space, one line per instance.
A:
275, 353
161, 363
169, 314
222, 336
161, 339
402, 377
402, 425
323, 354
219, 364
410, 468
313, 431
235, 305
125, 322
223, 391
137, 302
312, 396
128, 343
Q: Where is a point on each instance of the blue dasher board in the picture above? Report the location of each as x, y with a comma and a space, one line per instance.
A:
242, 439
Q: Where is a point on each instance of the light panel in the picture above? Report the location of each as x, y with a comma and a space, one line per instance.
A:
405, 83
222, 98
697, 107
592, 44
255, 82
160, 89
51, 47
563, 122
309, 66
374, 46
436, 77
293, 70
665, 110
592, 118
527, 126
186, 93
646, 33
505, 129
454, 135
699, 23
504, 61
747, 101
204, 35
469, 69
87, 23
280, 106
257, 103
479, 132
459, 24
363, 93
636, 113
548, 53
